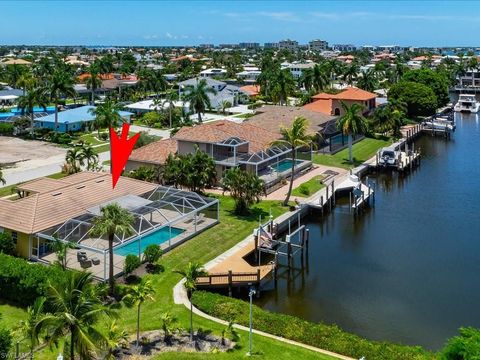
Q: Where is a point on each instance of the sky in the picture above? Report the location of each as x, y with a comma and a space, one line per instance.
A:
172, 23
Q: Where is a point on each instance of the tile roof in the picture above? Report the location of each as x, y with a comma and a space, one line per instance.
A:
155, 153
215, 132
273, 117
251, 90
350, 93
322, 106
72, 197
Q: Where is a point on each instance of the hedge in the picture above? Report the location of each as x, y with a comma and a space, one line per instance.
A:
22, 282
328, 337
5, 343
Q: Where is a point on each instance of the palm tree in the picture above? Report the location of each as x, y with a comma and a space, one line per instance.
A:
350, 73
60, 248
191, 273
93, 82
25, 81
136, 296
319, 78
294, 137
76, 309
106, 115
34, 324
90, 156
352, 123
114, 338
2, 179
27, 103
74, 158
112, 221
60, 84
368, 80
284, 86
198, 98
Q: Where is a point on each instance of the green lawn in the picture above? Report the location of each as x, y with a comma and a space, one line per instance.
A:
102, 148
11, 315
362, 151
309, 187
202, 248
92, 139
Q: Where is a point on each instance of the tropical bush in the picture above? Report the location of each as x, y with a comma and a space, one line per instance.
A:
22, 282
6, 129
328, 337
466, 346
145, 139
7, 246
245, 188
152, 254
131, 263
5, 342
145, 173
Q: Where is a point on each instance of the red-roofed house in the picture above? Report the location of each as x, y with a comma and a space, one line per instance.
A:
331, 104
251, 90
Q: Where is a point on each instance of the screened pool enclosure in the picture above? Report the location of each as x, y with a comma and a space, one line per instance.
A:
165, 217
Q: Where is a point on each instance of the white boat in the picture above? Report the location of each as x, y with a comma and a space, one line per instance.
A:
439, 125
389, 157
467, 103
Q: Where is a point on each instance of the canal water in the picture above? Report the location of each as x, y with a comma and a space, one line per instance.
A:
406, 270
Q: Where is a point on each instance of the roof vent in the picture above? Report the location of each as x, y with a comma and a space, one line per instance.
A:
80, 187
56, 194
99, 181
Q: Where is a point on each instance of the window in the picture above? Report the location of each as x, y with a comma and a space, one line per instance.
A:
337, 111
14, 237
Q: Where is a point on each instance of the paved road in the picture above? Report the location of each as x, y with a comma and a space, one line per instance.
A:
14, 177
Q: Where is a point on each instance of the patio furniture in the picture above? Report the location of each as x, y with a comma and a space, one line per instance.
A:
85, 264
81, 255
200, 218
95, 260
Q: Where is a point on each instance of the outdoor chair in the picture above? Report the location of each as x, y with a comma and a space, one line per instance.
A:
85, 263
81, 255
95, 261
200, 218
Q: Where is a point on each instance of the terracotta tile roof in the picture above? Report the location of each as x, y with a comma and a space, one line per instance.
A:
273, 117
73, 196
155, 153
350, 93
322, 106
184, 57
214, 132
251, 90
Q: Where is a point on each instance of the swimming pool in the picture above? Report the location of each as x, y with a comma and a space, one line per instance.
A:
17, 111
284, 165
158, 237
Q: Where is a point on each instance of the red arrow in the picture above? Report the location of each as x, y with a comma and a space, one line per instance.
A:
120, 150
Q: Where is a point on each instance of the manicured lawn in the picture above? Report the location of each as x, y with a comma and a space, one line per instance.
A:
102, 148
309, 187
362, 151
92, 139
201, 249
11, 315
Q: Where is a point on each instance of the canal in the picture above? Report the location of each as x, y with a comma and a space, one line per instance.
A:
407, 269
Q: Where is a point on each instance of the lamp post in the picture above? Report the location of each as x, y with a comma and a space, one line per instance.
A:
250, 294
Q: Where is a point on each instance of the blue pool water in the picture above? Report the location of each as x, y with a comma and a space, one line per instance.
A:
17, 111
284, 165
158, 237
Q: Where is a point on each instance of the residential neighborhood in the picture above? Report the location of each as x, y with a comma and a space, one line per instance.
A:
277, 180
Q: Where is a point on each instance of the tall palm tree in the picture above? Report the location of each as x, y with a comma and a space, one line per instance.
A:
368, 80
136, 296
76, 308
284, 86
93, 82
319, 78
106, 115
25, 81
34, 324
60, 85
114, 220
27, 103
294, 137
198, 98
74, 158
191, 273
352, 123
90, 156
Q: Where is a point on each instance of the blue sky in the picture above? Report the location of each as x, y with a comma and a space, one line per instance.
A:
416, 23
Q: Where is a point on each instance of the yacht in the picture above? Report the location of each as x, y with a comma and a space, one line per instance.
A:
467, 103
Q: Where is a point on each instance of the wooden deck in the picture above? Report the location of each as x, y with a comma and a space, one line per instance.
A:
234, 270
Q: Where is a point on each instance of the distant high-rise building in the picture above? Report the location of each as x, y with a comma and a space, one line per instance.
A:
206, 46
318, 45
249, 45
270, 45
288, 44
227, 46
344, 47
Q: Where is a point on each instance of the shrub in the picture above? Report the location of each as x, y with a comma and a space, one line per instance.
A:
103, 136
328, 337
6, 129
22, 282
152, 253
304, 190
131, 263
5, 343
7, 246
463, 347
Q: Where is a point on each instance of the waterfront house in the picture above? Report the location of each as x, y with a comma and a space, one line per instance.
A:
331, 103
65, 209
73, 119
